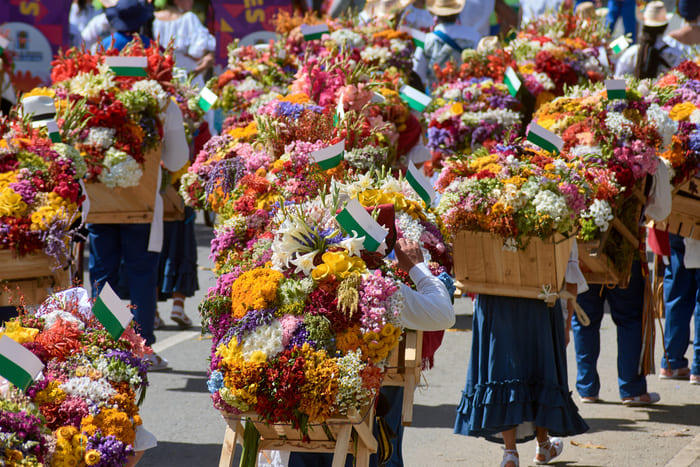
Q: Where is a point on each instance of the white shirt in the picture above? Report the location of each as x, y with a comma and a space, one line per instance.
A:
573, 274
96, 29
531, 9
81, 18
438, 52
673, 53
418, 18
430, 307
476, 14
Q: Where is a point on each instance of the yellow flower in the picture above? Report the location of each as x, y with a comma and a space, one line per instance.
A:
92, 457
681, 112
40, 92
339, 264
11, 203
527, 69
296, 98
51, 393
18, 333
79, 440
66, 432
254, 290
457, 108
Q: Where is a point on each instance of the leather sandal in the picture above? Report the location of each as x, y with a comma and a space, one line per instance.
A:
678, 373
510, 456
178, 315
548, 450
639, 401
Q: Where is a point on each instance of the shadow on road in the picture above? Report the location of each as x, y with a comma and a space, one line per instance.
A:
203, 234
169, 454
463, 323
688, 414
612, 424
442, 416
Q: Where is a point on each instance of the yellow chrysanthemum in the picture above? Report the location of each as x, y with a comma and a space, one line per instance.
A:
682, 111
11, 203
18, 333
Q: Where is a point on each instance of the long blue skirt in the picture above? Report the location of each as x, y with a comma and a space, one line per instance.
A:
177, 271
517, 372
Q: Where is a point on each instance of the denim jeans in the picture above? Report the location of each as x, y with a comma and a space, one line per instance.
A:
109, 244
682, 300
627, 9
394, 397
626, 307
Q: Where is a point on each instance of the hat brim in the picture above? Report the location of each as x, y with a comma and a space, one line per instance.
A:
655, 23
445, 11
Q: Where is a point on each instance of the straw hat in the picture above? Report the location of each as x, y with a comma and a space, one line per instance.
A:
445, 7
655, 14
487, 44
41, 109
585, 10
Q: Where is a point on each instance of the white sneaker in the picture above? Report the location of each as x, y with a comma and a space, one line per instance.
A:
156, 362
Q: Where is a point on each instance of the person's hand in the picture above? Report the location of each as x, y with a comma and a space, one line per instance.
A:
207, 61
408, 254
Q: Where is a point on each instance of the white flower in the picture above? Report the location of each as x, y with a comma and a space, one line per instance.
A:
601, 213
544, 80
549, 203
121, 170
51, 318
305, 263
85, 388
265, 339
695, 117
667, 127
153, 88
100, 137
347, 38
617, 123
353, 245
90, 85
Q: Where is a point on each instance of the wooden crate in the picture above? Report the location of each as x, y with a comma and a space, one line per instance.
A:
126, 205
482, 265
684, 219
404, 369
333, 436
29, 278
173, 205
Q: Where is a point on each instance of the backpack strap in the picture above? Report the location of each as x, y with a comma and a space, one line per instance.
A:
448, 40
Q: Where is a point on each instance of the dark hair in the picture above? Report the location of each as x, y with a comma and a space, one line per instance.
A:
649, 57
448, 18
689, 10
82, 4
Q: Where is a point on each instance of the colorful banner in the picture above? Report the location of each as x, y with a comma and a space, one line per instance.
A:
36, 29
248, 20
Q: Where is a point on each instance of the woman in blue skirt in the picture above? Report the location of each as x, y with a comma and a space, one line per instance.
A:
517, 387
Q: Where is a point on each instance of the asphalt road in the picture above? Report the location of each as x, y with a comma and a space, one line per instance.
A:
190, 431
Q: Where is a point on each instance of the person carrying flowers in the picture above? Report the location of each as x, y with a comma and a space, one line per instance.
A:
446, 42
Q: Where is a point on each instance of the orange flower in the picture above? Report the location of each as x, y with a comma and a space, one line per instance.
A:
254, 290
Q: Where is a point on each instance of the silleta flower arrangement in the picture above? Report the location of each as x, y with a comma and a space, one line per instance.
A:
301, 334
679, 95
39, 194
123, 117
83, 411
516, 193
469, 115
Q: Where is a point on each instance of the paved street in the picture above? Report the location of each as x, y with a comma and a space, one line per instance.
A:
178, 410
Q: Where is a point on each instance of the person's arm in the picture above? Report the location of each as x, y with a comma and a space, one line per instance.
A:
95, 29
507, 17
430, 307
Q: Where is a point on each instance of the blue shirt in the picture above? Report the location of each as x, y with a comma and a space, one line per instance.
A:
121, 39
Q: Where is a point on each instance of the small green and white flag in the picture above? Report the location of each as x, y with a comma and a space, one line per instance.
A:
420, 183
339, 111
17, 364
355, 219
128, 66
206, 99
617, 88
512, 81
330, 156
417, 35
4, 42
54, 134
414, 98
619, 44
544, 138
112, 312
314, 32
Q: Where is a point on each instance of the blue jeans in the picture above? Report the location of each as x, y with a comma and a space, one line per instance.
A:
626, 307
682, 299
109, 244
626, 9
394, 397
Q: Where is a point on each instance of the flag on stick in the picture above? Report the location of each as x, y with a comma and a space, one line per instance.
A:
414, 98
619, 44
314, 32
544, 138
354, 218
617, 88
206, 99
417, 36
54, 134
128, 66
112, 313
512, 81
17, 364
420, 183
330, 156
